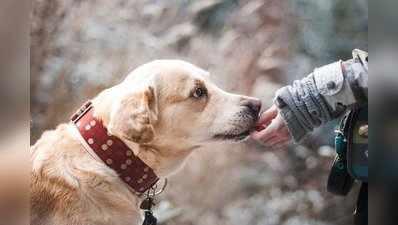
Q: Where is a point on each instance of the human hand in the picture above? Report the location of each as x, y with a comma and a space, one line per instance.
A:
271, 129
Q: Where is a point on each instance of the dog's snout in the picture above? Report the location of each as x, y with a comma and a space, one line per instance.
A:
254, 105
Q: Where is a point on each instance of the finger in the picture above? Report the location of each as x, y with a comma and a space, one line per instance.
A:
274, 138
280, 123
258, 135
267, 116
264, 134
269, 141
277, 123
281, 145
278, 140
281, 127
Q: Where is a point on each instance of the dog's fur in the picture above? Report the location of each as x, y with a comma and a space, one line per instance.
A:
155, 113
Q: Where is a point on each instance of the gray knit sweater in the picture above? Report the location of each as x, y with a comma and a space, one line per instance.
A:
324, 94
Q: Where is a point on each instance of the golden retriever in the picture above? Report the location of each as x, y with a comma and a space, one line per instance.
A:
163, 111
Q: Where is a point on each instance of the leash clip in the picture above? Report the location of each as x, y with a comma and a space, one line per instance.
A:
155, 187
149, 202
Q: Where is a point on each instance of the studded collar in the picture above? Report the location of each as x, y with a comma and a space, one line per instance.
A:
113, 151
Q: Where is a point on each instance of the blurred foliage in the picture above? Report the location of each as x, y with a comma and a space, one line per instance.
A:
253, 47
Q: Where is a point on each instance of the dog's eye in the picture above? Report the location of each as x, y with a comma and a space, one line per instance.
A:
199, 92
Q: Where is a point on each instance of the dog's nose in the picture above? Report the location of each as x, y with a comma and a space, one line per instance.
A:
253, 104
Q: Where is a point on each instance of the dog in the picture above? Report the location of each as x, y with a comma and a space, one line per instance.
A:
163, 111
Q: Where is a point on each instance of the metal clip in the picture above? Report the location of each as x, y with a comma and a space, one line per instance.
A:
155, 187
83, 110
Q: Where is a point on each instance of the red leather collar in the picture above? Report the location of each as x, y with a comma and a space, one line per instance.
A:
112, 151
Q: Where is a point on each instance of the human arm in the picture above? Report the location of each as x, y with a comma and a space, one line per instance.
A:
316, 99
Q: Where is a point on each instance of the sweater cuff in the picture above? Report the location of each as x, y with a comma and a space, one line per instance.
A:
294, 127
282, 101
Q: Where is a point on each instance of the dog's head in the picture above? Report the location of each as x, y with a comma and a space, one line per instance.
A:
174, 102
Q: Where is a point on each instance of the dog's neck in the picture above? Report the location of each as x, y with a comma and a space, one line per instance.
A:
162, 159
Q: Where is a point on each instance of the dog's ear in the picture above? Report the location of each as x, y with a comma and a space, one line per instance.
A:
134, 116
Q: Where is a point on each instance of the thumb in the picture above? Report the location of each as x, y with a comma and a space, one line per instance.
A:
267, 117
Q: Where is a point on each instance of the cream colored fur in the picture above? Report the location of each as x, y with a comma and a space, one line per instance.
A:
154, 112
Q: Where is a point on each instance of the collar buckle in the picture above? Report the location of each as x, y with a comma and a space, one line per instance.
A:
81, 111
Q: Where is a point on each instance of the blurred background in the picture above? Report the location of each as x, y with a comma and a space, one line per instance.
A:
14, 112
254, 47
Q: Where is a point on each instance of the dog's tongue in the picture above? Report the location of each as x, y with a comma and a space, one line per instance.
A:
259, 128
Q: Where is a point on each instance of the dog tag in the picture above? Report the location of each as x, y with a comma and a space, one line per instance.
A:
149, 219
147, 204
